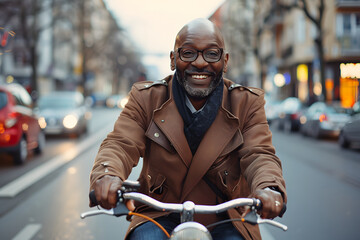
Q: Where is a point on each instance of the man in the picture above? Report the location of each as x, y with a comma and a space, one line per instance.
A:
202, 138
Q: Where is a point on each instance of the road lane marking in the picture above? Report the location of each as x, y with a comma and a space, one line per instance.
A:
18, 185
28, 232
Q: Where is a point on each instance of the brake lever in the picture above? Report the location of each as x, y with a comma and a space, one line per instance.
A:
254, 218
119, 210
97, 212
272, 222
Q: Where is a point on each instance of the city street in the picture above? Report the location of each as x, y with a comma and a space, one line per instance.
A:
323, 184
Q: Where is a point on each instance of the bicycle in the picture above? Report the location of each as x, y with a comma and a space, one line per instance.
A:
187, 229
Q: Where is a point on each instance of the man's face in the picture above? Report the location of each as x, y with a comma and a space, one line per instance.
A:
198, 77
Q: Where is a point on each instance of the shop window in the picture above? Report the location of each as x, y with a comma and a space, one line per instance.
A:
349, 91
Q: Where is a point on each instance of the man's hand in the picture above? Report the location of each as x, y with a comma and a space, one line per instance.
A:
106, 189
272, 203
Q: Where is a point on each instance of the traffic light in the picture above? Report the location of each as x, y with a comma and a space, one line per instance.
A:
6, 38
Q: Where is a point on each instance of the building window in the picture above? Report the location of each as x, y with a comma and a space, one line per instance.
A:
348, 31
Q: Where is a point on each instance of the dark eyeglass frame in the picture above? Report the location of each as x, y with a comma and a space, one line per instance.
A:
202, 53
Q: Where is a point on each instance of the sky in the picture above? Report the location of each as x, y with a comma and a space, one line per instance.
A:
153, 24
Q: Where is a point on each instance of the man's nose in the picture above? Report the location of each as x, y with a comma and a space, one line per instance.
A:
199, 62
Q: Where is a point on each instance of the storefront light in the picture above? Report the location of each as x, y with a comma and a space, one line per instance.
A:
279, 80
302, 73
317, 88
268, 85
350, 70
287, 77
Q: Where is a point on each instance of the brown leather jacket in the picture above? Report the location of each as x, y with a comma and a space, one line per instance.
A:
236, 152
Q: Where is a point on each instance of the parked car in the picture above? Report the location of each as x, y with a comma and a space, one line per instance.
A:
20, 131
350, 133
290, 111
324, 120
64, 112
116, 101
97, 100
271, 109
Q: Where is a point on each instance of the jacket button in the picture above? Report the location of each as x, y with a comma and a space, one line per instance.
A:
162, 120
156, 135
149, 177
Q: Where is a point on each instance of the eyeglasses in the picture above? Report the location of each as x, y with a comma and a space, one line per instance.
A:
210, 55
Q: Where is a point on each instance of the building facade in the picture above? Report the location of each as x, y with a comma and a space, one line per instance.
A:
274, 42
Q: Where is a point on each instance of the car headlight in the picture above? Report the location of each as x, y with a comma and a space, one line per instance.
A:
190, 231
303, 120
70, 121
123, 102
42, 122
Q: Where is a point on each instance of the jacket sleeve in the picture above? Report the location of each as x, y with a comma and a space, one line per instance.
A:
259, 164
121, 149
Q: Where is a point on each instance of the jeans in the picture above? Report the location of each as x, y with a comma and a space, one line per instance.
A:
149, 231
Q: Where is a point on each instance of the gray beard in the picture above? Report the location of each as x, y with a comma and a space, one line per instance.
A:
199, 93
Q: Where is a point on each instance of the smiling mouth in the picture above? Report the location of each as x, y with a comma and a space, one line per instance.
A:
197, 76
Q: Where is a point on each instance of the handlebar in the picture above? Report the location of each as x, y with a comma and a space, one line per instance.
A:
177, 207
186, 207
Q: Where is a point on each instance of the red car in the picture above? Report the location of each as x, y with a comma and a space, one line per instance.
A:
20, 131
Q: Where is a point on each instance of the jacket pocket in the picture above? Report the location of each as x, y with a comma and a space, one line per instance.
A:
157, 188
226, 175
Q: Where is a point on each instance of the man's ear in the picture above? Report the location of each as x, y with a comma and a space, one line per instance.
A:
172, 61
226, 59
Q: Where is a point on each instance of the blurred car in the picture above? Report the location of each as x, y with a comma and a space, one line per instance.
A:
290, 111
20, 131
117, 100
97, 100
350, 133
356, 108
64, 112
322, 119
271, 109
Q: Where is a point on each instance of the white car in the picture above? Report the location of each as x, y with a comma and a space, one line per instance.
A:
64, 112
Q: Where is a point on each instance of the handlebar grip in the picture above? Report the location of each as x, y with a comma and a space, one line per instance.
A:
257, 204
92, 198
283, 210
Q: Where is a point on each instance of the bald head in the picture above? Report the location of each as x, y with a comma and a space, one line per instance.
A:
199, 28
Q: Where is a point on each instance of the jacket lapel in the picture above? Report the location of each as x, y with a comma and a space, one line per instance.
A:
217, 139
222, 137
171, 124
169, 121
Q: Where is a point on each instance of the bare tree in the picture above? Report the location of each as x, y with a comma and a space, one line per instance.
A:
317, 20
73, 28
22, 17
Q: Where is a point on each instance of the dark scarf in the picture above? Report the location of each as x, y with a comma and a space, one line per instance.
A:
196, 125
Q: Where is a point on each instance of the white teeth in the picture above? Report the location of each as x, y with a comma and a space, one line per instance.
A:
199, 76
